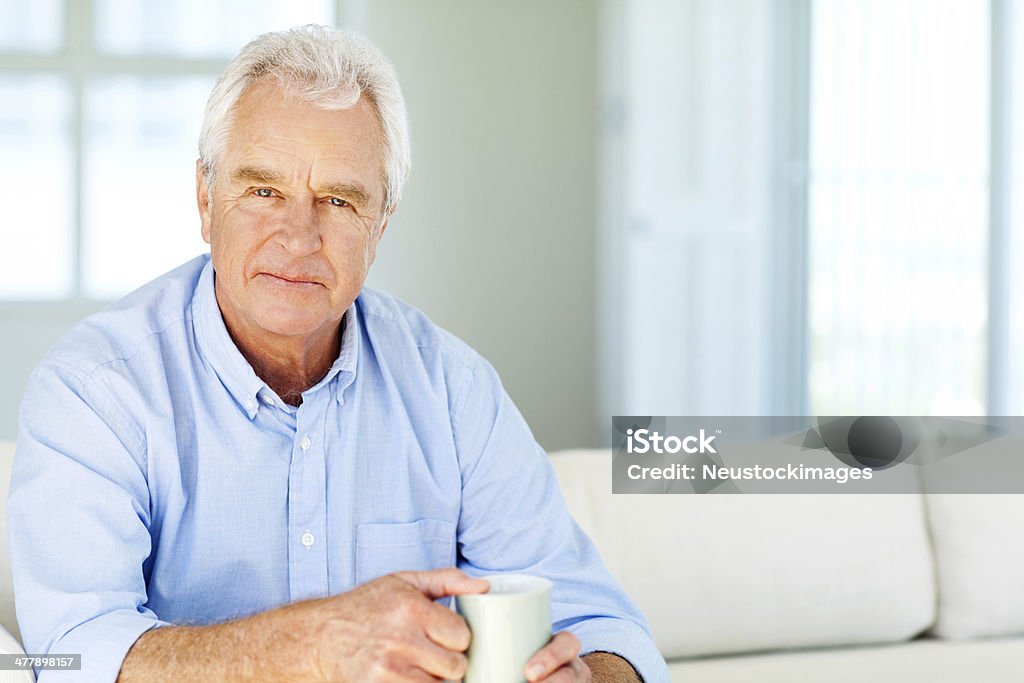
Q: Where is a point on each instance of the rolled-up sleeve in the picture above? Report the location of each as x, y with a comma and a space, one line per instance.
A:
78, 524
515, 519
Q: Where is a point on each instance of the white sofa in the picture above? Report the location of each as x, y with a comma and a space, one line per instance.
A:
837, 589
790, 588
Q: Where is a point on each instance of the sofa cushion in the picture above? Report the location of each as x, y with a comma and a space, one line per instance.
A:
718, 574
979, 558
10, 646
991, 661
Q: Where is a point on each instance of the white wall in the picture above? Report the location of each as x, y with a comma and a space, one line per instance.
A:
496, 236
495, 239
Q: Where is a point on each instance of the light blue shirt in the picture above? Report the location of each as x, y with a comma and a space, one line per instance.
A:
157, 480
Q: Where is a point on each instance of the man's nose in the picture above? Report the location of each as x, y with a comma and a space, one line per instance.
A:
298, 230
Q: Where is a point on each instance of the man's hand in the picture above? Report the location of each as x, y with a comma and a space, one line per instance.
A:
558, 662
391, 629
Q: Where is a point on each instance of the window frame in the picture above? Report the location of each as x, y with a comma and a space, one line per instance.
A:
998, 344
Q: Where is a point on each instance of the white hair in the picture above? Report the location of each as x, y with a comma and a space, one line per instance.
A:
324, 66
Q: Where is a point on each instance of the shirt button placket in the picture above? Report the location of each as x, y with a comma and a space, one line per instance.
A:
307, 506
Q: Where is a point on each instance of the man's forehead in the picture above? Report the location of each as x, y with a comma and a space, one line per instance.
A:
280, 137
268, 103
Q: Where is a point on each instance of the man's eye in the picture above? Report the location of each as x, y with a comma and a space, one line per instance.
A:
338, 201
264, 192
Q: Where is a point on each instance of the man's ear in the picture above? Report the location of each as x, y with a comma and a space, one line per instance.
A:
203, 202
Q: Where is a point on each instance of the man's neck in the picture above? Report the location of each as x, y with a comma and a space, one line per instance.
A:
289, 365
287, 371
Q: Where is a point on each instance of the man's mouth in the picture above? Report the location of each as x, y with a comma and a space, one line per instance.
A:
292, 279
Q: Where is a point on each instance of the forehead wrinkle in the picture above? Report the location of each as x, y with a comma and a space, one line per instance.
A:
298, 162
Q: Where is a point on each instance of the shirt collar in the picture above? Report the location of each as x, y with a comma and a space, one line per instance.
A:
345, 366
233, 369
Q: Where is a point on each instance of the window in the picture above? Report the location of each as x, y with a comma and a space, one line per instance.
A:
100, 107
898, 213
866, 153
37, 179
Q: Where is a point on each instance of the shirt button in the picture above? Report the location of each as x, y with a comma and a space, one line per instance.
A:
305, 443
249, 404
268, 399
308, 540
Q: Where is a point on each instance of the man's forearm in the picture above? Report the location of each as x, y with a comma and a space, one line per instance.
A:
269, 646
608, 668
365, 634
250, 649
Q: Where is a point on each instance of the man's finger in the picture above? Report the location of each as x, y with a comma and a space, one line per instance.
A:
438, 662
573, 672
438, 583
562, 649
564, 675
446, 628
580, 670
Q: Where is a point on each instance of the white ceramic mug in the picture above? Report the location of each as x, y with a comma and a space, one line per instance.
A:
509, 624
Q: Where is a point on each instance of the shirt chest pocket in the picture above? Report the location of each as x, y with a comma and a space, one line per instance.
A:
383, 548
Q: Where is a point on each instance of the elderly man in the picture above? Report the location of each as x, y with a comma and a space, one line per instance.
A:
253, 468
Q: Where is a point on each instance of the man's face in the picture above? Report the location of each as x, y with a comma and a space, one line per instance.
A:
296, 213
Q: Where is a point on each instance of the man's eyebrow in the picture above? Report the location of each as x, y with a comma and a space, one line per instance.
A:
350, 191
347, 190
256, 175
